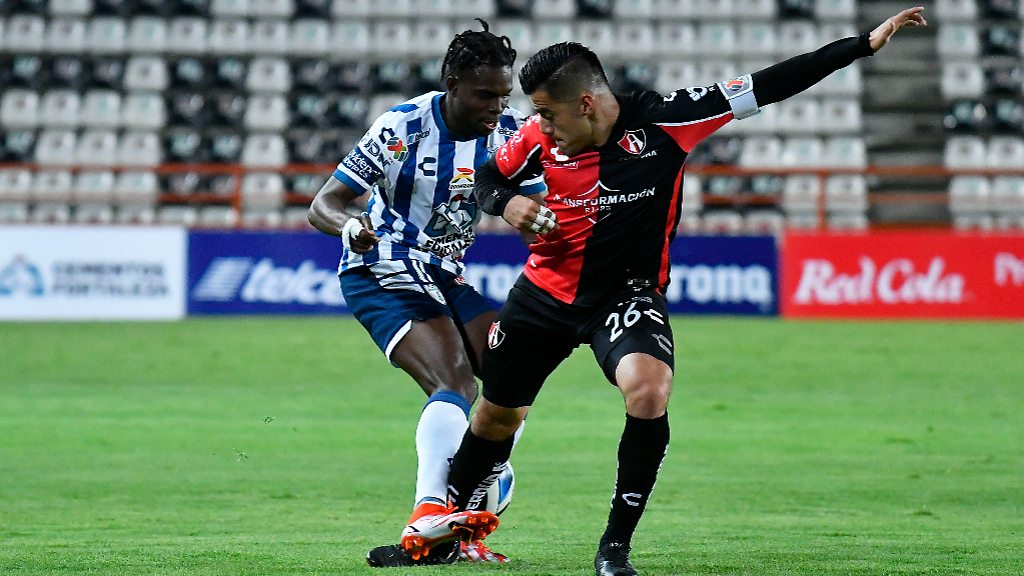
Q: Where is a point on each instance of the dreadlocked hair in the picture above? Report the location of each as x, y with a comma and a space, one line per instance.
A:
564, 70
472, 49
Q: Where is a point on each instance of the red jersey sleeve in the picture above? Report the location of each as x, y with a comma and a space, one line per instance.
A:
516, 155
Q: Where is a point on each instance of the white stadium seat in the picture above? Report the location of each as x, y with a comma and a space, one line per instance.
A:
230, 8
351, 10
722, 222
50, 213
846, 193
799, 115
673, 39
1008, 195
51, 186
848, 81
147, 35
477, 9
797, 37
1005, 152
673, 76
266, 112
13, 213
563, 9
520, 32
552, 32
106, 36
56, 148
802, 221
832, 31
391, 39
66, 35
296, 218
102, 109
139, 188
217, 217
146, 73
969, 195
15, 184
350, 40
757, 38
962, 80
847, 221
309, 37
761, 152
693, 198
93, 187
756, 9
825, 10
19, 109
177, 216
262, 218
712, 71
264, 190
764, 122
231, 37
599, 37
841, 116
674, 10
956, 10
93, 214
264, 150
802, 152
187, 35
135, 215
764, 222
70, 7
272, 8
845, 152
964, 152
96, 148
61, 109
717, 39
431, 36
801, 193
714, 9
3, 31
139, 149
958, 41
144, 110
268, 75
635, 10
24, 33
269, 37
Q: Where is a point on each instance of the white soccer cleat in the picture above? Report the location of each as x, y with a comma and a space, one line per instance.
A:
430, 530
478, 552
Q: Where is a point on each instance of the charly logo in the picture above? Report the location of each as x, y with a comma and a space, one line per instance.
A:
495, 336
21, 277
633, 141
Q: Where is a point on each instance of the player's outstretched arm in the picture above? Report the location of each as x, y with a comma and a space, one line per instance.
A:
328, 214
785, 79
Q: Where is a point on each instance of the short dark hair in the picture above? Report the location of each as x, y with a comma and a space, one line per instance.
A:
564, 70
472, 49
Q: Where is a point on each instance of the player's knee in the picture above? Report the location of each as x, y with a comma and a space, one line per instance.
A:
646, 384
495, 422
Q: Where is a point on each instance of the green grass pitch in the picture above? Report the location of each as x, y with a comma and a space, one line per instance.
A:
284, 446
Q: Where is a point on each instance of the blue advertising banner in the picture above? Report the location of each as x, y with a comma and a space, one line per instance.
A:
263, 273
296, 273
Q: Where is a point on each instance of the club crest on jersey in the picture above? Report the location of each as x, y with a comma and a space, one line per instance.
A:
495, 336
736, 86
397, 148
633, 141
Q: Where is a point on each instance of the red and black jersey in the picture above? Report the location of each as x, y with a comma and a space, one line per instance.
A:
618, 205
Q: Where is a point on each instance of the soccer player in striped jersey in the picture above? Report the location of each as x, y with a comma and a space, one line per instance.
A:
401, 266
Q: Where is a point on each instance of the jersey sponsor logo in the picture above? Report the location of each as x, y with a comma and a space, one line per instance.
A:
633, 141
495, 336
463, 179
397, 148
417, 136
360, 166
897, 281
696, 92
737, 87
238, 278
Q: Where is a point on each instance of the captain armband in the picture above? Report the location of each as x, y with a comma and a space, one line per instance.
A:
739, 93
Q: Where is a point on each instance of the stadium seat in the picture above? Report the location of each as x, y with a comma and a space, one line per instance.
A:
19, 109
802, 221
230, 38
757, 38
50, 213
70, 7
186, 216
269, 37
309, 37
107, 72
261, 218
554, 9
55, 147
1000, 39
841, 116
189, 108
266, 112
767, 185
193, 7
1007, 115
592, 9
801, 193
956, 10
18, 146
60, 109
230, 8
66, 36
147, 35
635, 10
264, 150
761, 152
756, 9
846, 193
973, 222
725, 222
964, 152
351, 10
689, 223
111, 7
350, 111
190, 73
1004, 80
763, 222
714, 9
262, 190
432, 36
217, 217
848, 81
1005, 152
51, 186
93, 187
139, 149
15, 184
847, 222
969, 195
310, 110
673, 76
68, 72
1008, 195
965, 116
828, 10
106, 36
312, 75
187, 35
797, 37
693, 198
802, 152
392, 75
391, 39
13, 213
184, 145
958, 41
96, 148
228, 109
350, 40
306, 146
799, 115
296, 218
552, 32
845, 152
272, 8
633, 76
962, 80
148, 73
25, 33
230, 74
144, 110
712, 71
154, 8
93, 214
717, 40
268, 75
225, 147
320, 9
136, 188
102, 109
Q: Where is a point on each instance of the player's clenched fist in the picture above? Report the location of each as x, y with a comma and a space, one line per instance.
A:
528, 216
357, 234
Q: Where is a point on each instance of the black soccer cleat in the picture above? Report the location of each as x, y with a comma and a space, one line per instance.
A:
392, 556
613, 560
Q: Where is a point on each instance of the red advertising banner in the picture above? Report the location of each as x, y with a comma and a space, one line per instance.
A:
903, 275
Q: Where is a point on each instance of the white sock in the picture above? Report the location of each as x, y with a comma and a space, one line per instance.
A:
440, 430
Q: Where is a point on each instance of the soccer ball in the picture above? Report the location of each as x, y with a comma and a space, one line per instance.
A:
499, 495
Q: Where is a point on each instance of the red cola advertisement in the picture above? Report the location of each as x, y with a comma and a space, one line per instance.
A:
903, 275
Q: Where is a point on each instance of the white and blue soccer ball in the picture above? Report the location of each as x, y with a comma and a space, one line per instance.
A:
499, 495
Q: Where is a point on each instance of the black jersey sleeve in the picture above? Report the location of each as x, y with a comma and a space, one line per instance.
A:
780, 81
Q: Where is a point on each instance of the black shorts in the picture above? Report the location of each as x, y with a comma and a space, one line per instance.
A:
535, 332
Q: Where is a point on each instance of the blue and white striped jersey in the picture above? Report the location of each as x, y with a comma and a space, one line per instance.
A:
421, 179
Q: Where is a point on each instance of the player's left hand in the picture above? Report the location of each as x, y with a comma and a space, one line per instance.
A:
910, 17
527, 215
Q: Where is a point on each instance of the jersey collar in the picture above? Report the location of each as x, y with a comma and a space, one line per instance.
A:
442, 128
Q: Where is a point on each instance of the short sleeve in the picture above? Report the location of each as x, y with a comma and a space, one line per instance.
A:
368, 162
514, 155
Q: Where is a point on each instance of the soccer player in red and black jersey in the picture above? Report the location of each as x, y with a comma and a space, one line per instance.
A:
598, 270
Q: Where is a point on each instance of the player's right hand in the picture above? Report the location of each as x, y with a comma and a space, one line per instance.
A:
526, 215
359, 237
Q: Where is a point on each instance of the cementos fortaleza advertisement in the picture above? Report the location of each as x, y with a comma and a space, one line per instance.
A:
296, 273
904, 274
91, 273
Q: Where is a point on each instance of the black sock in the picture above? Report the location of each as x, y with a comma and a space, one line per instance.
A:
641, 451
476, 465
